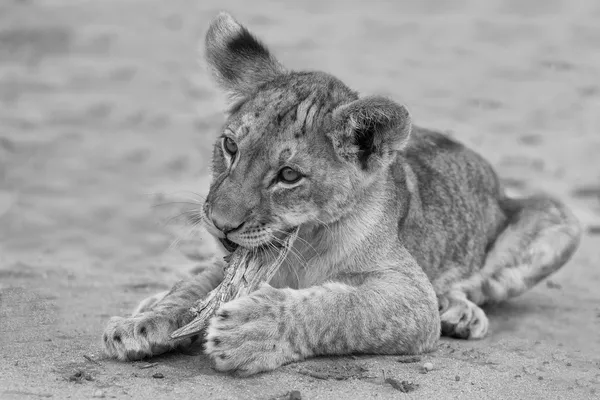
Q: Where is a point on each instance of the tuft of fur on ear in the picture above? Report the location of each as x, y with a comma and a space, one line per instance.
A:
370, 131
239, 61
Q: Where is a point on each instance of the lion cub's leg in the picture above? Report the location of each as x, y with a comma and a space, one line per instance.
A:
146, 332
461, 318
381, 313
149, 302
541, 236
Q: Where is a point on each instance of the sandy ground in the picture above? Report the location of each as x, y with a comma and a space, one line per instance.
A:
104, 114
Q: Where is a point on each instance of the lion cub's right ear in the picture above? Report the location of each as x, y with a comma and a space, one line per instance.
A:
371, 131
239, 61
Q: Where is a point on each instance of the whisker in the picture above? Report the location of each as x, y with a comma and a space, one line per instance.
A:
203, 196
198, 200
184, 213
174, 193
324, 224
294, 269
299, 257
273, 252
175, 243
169, 203
196, 219
301, 240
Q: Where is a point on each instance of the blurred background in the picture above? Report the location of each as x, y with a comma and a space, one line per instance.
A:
107, 115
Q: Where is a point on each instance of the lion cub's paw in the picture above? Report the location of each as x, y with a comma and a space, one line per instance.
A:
461, 318
250, 334
140, 336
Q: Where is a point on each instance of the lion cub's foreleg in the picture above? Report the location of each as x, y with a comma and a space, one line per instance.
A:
383, 313
146, 332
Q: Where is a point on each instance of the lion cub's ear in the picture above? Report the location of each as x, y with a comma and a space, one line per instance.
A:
239, 61
370, 131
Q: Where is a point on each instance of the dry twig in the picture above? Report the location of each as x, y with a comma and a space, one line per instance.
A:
90, 359
244, 274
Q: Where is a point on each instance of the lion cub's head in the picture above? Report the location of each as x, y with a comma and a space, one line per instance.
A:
298, 148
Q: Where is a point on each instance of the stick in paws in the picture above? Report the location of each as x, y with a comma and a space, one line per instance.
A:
245, 272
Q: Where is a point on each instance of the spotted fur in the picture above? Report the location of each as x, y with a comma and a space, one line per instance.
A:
404, 232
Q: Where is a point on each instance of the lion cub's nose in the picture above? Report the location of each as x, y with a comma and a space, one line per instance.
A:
225, 226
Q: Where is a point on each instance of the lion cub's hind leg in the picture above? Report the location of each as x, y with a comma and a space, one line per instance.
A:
541, 236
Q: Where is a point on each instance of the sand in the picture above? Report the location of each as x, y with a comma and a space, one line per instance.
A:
105, 114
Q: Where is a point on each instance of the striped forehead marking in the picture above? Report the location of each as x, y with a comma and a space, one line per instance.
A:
285, 154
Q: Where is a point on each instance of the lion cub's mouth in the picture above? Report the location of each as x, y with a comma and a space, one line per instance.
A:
229, 245
276, 243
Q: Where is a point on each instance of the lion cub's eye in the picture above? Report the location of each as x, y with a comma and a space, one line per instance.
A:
230, 146
289, 175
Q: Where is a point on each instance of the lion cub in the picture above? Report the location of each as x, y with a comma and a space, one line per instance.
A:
404, 233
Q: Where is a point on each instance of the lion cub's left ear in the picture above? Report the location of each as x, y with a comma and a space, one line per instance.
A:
238, 60
370, 131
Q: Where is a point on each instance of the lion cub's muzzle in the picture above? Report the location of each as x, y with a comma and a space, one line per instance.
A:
221, 232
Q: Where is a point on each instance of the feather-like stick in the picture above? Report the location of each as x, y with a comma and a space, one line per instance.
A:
245, 272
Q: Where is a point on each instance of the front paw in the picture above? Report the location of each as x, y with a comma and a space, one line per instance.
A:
140, 336
252, 334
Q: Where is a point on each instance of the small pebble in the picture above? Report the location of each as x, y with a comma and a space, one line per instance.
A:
569, 364
99, 394
158, 375
428, 367
457, 378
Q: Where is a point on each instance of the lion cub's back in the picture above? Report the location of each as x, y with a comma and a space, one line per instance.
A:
458, 195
